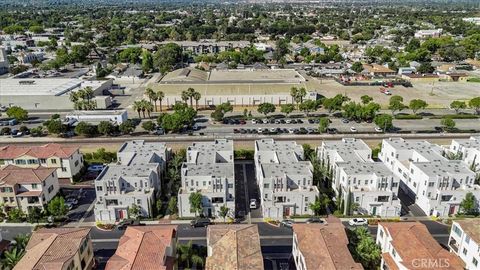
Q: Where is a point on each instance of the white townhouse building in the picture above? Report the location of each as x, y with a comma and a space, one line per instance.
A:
209, 169
135, 179
469, 149
67, 160
284, 177
437, 184
464, 241
360, 180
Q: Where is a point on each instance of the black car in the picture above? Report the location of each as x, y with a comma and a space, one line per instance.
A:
122, 225
311, 121
200, 222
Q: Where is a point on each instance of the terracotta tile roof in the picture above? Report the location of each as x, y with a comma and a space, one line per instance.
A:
324, 246
44, 151
144, 247
412, 241
389, 261
52, 248
235, 247
12, 175
471, 227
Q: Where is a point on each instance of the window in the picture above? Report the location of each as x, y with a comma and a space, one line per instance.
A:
32, 161
43, 161
139, 202
12, 199
100, 188
230, 185
394, 184
53, 160
6, 190
76, 163
357, 199
431, 184
34, 186
464, 251
306, 199
20, 162
64, 169
266, 185
467, 239
475, 262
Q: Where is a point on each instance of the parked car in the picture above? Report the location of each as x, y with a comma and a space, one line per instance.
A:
377, 129
200, 222
253, 204
95, 168
287, 223
358, 222
353, 129
196, 127
314, 220
345, 121
122, 225
16, 133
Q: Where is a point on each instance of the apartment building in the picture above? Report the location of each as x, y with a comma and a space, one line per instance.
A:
435, 183
208, 46
469, 149
134, 180
464, 241
27, 188
58, 249
284, 177
4, 65
209, 169
409, 245
233, 247
322, 246
428, 33
366, 186
66, 159
146, 247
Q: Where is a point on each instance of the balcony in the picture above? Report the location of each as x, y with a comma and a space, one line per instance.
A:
453, 245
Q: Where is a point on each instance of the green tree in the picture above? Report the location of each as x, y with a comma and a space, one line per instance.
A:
396, 104
21, 240
474, 103
309, 106
18, 113
266, 108
323, 125
217, 115
134, 211
126, 127
195, 200
167, 56
57, 207
160, 97
335, 104
366, 250
225, 107
105, 128
287, 108
85, 129
448, 123
224, 212
366, 99
425, 67
384, 121
458, 105
55, 126
189, 256
417, 104
138, 106
147, 61
469, 206
196, 96
172, 206
148, 126
357, 67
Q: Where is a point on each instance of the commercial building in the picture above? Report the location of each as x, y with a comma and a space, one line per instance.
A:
429, 33
66, 159
145, 247
464, 241
285, 178
376, 70
322, 246
209, 169
233, 247
409, 245
58, 249
115, 117
134, 180
436, 184
4, 65
208, 46
45, 93
365, 186
27, 188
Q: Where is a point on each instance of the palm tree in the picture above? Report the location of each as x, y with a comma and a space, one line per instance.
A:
149, 93
302, 92
185, 96
188, 254
293, 93
88, 93
191, 92
155, 98
197, 96
11, 258
148, 107
160, 97
137, 106
73, 97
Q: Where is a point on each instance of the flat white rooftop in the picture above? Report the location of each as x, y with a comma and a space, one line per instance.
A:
38, 86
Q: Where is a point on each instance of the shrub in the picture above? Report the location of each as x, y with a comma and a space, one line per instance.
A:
408, 116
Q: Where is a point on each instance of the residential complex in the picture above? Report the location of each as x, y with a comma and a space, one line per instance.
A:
469, 149
209, 169
284, 177
464, 241
322, 246
27, 188
436, 184
145, 247
58, 249
66, 159
233, 247
134, 180
409, 245
366, 186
